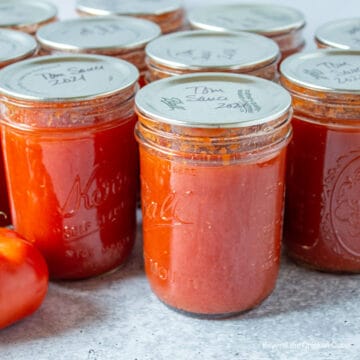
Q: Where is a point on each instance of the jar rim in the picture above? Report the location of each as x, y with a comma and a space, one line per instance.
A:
204, 49
265, 19
332, 71
21, 13
102, 33
213, 100
67, 78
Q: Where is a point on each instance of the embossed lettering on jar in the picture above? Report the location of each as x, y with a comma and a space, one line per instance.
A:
322, 219
212, 162
187, 52
71, 159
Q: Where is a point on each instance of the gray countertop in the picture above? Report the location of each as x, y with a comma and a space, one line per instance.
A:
310, 315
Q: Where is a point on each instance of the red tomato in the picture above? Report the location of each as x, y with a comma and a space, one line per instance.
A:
23, 278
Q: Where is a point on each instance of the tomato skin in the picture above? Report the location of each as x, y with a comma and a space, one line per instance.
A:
23, 278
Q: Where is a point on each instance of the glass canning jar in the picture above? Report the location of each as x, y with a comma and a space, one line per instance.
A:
212, 166
339, 34
281, 23
208, 51
67, 126
26, 16
168, 14
322, 217
14, 46
123, 37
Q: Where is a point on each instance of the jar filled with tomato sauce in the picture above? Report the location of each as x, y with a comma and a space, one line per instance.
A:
280, 23
123, 37
212, 166
26, 16
67, 126
14, 46
209, 51
168, 14
322, 215
339, 34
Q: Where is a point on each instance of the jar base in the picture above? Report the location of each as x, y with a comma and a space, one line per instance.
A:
215, 316
314, 267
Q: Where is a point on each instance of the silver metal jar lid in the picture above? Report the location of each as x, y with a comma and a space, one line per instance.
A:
128, 7
66, 78
265, 19
213, 100
342, 34
196, 50
17, 13
15, 45
98, 33
324, 70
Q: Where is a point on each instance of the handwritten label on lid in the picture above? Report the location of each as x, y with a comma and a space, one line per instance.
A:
342, 34
327, 70
201, 49
260, 18
98, 33
67, 77
22, 12
213, 100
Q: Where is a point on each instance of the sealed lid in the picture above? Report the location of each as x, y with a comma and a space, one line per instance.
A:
15, 45
195, 50
342, 34
266, 19
98, 33
17, 13
128, 7
325, 70
210, 100
66, 78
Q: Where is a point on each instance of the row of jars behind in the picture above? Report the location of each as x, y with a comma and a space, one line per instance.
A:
223, 128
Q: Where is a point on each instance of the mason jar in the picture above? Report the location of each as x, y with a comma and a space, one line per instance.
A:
339, 34
67, 126
280, 23
322, 217
168, 14
14, 46
212, 166
123, 37
208, 51
26, 16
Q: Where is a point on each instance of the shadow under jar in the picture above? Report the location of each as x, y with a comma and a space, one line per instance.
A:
339, 34
208, 51
282, 24
123, 37
168, 14
26, 16
71, 159
212, 165
322, 212
14, 46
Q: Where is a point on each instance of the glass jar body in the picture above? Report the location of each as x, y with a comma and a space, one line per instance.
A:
323, 184
212, 218
73, 190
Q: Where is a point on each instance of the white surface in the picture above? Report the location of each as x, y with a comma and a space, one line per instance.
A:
310, 315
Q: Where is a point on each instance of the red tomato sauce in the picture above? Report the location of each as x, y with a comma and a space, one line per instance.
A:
212, 233
322, 225
80, 214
